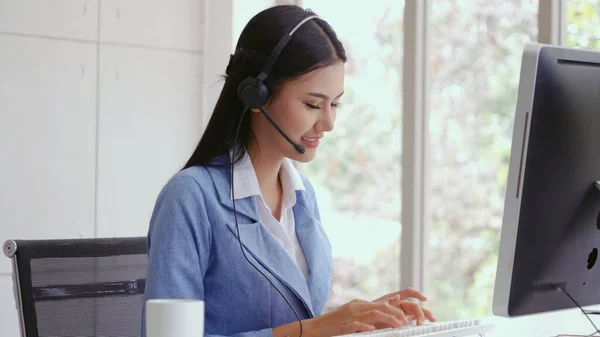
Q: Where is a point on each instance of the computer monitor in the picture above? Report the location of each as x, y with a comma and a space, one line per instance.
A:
551, 224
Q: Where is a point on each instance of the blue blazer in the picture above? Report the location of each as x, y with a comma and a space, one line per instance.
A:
194, 253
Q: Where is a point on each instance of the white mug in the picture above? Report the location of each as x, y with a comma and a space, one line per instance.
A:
174, 318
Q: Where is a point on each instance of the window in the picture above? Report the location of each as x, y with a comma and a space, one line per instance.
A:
357, 170
475, 59
583, 23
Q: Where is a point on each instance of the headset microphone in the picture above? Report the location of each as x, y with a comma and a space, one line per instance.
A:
298, 147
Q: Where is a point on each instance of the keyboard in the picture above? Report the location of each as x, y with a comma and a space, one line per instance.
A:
462, 328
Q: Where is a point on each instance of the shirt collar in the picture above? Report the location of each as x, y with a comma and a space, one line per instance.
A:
245, 183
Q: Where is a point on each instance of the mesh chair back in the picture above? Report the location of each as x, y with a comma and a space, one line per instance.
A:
79, 287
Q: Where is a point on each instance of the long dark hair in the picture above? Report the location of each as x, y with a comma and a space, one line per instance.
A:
313, 45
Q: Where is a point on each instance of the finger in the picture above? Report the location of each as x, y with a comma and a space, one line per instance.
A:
414, 309
396, 311
410, 292
429, 315
356, 327
394, 299
379, 317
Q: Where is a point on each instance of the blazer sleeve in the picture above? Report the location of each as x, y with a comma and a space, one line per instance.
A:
179, 244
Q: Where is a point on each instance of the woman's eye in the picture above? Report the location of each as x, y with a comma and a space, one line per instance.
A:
315, 107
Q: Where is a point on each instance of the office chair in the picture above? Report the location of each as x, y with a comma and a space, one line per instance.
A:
79, 287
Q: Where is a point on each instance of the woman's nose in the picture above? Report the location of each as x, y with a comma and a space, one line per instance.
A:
327, 120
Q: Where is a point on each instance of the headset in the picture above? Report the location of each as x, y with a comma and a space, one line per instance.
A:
254, 94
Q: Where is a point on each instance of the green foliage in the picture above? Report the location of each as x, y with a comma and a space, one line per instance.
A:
477, 50
583, 24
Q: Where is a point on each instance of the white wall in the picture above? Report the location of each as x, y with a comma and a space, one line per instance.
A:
101, 101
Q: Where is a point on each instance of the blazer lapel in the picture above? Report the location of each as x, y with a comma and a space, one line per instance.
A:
317, 250
261, 244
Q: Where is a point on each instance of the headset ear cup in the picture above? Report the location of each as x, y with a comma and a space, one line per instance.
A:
252, 93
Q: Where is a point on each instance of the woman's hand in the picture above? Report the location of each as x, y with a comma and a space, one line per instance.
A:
389, 311
357, 316
412, 311
404, 295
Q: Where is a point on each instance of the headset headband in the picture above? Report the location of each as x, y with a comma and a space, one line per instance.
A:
279, 47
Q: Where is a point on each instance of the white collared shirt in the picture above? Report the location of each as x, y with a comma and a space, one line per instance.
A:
245, 184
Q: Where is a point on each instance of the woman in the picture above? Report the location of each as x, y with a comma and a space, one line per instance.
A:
278, 284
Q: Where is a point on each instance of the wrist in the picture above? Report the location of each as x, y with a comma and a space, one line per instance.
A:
309, 327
